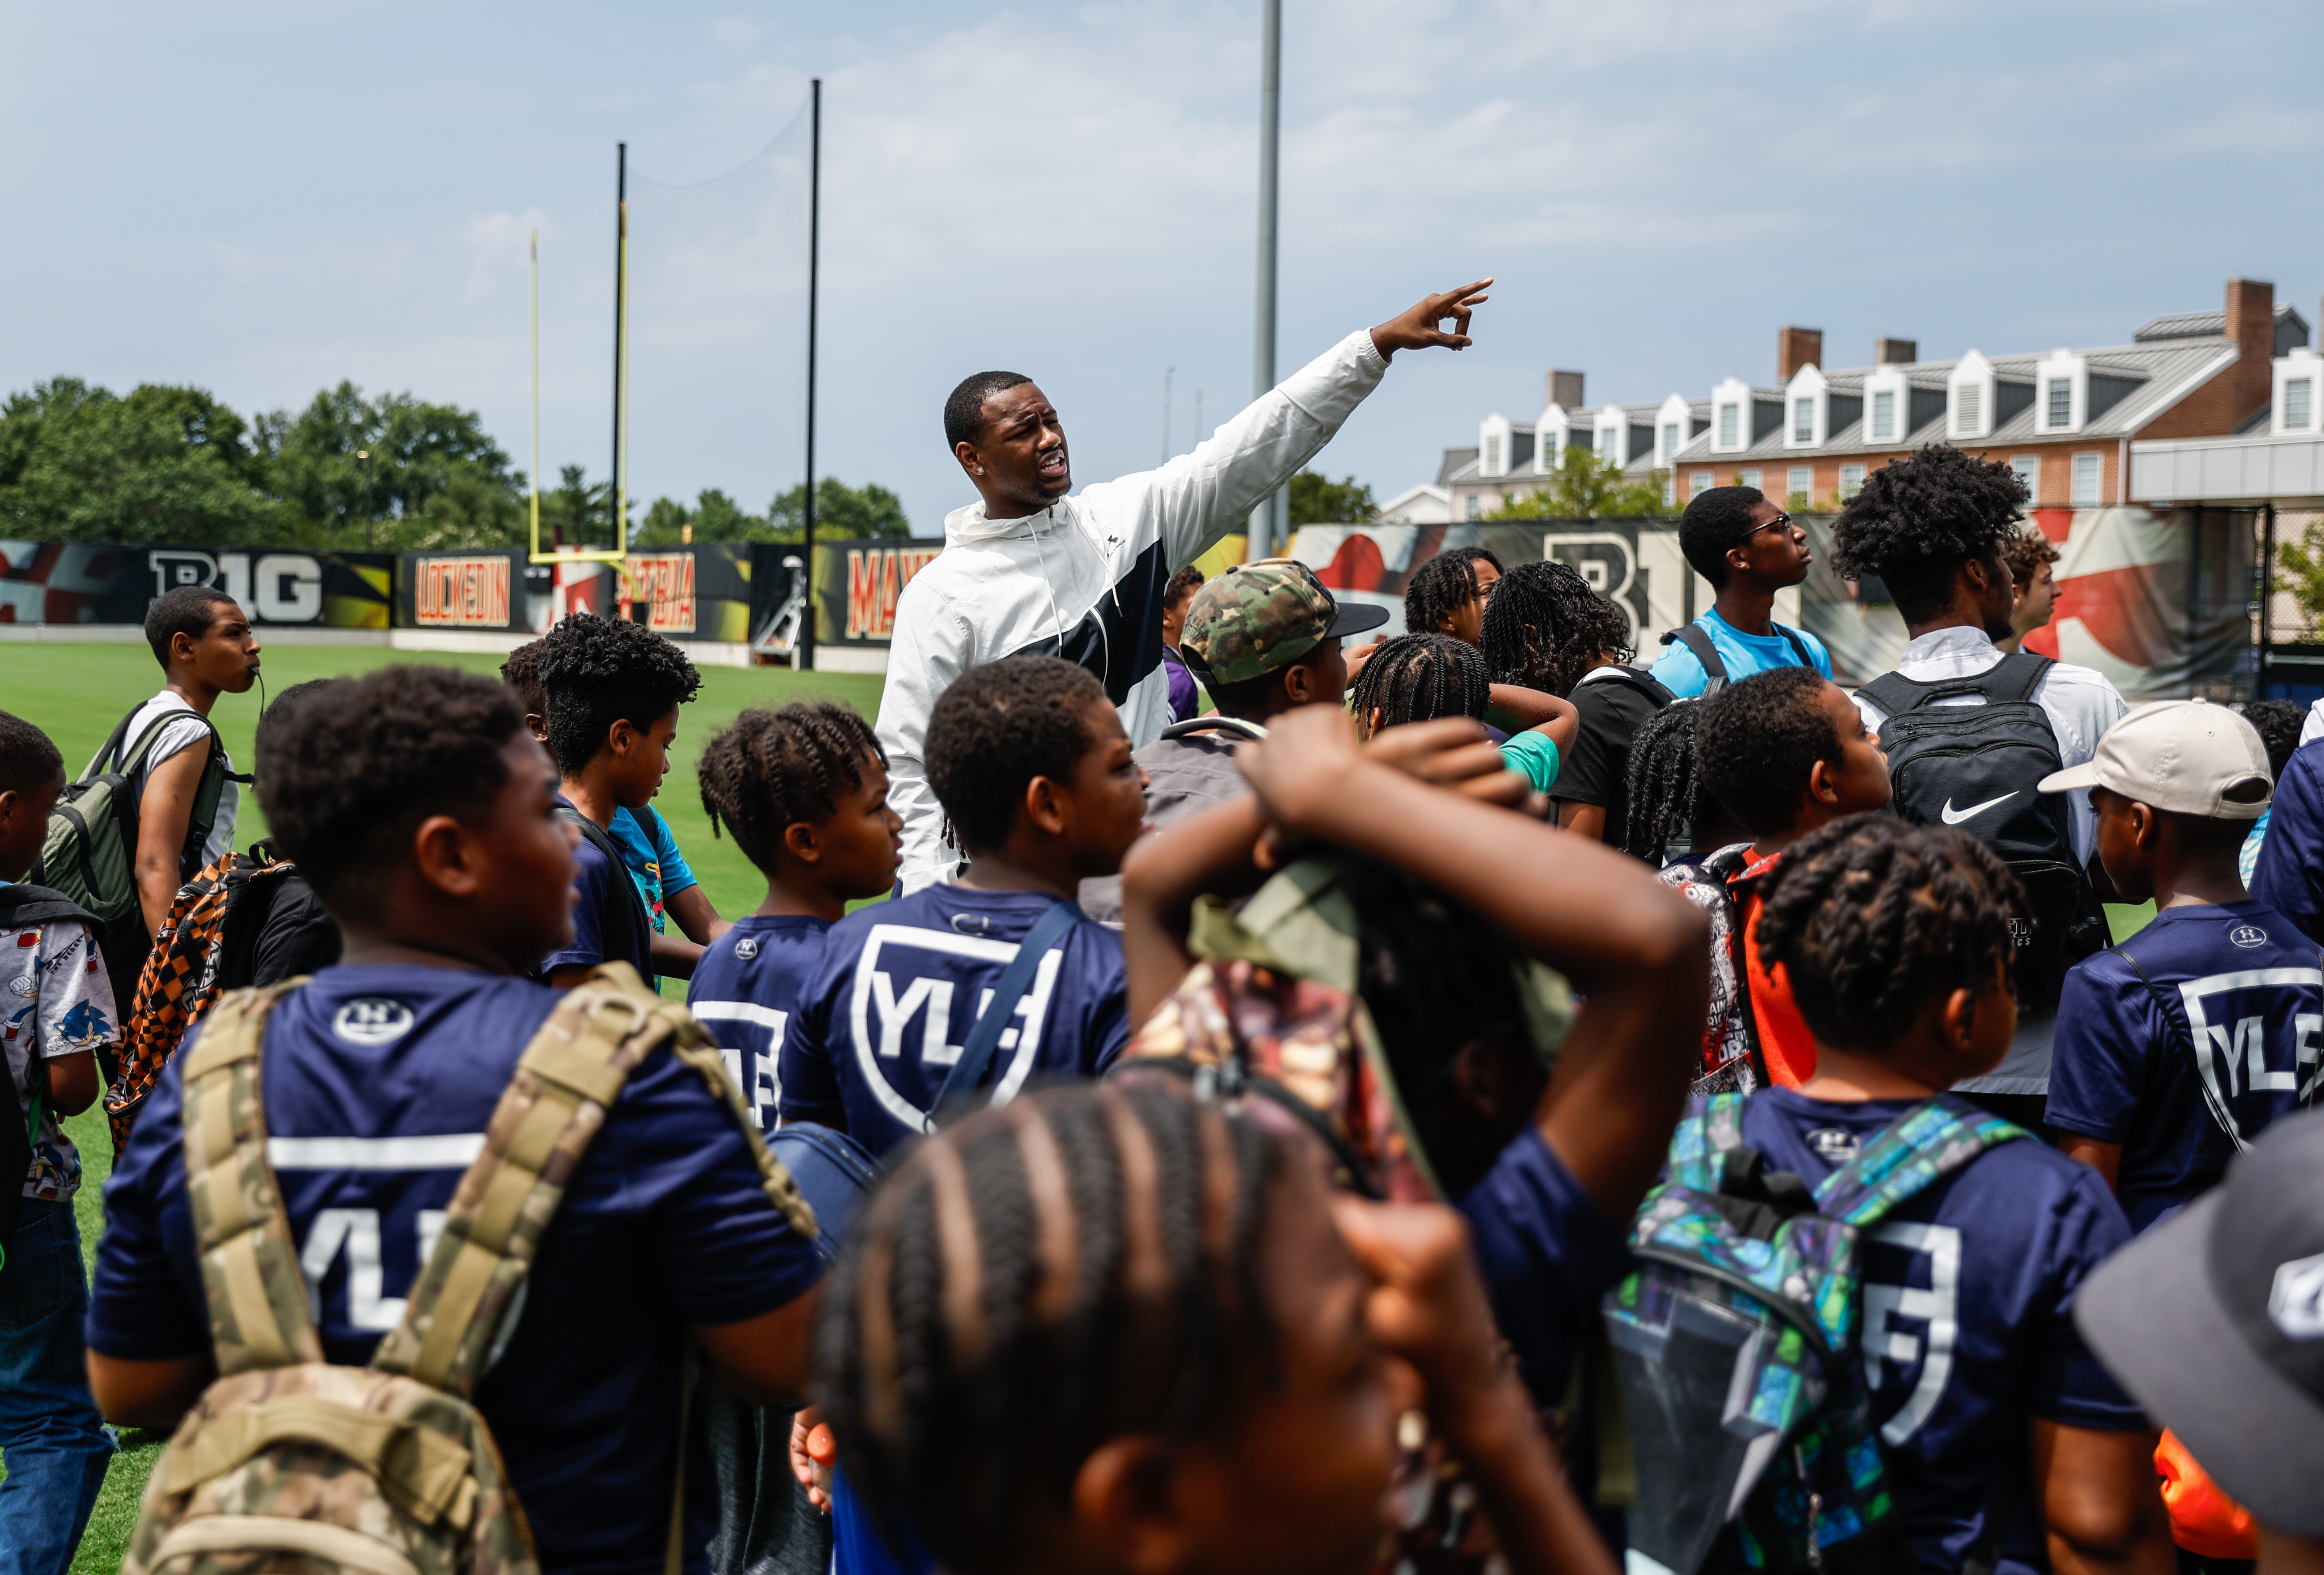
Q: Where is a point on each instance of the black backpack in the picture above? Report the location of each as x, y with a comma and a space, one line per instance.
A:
629, 920
1697, 638
1979, 769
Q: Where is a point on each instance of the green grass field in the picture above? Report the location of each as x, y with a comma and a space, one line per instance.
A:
79, 693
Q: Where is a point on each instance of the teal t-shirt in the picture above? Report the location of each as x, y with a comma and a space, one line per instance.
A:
656, 865
1532, 755
1678, 671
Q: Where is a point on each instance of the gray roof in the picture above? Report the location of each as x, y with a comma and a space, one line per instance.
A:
2164, 372
2213, 326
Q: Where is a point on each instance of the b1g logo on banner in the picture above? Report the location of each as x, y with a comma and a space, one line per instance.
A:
85, 582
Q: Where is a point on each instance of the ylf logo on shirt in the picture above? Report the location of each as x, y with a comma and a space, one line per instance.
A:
372, 1020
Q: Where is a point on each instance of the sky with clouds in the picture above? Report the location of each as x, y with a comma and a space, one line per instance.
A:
265, 198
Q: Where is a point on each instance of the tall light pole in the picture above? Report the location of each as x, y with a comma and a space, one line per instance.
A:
1268, 521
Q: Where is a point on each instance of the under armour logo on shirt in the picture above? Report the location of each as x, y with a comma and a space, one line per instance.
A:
2250, 937
371, 1021
1833, 1145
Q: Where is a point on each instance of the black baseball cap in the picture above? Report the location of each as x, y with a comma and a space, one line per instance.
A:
2214, 1321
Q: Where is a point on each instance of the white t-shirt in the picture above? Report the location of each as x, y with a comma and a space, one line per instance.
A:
184, 735
2081, 703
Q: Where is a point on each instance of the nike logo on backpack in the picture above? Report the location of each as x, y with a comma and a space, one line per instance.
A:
1952, 816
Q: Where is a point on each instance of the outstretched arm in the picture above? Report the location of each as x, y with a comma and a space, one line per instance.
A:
1196, 498
1632, 947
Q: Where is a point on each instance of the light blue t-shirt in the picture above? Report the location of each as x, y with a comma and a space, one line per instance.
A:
2247, 861
1678, 671
656, 865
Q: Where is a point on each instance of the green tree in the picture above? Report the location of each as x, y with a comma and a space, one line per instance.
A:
1585, 487
78, 463
2299, 573
1318, 500
347, 463
841, 512
577, 511
716, 517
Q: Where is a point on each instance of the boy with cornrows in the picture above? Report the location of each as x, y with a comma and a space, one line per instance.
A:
1898, 946
803, 791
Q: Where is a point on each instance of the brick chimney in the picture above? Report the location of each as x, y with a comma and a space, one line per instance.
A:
2251, 324
1895, 352
1564, 390
1795, 348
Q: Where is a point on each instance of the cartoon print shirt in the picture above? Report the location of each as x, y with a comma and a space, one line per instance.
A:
58, 1002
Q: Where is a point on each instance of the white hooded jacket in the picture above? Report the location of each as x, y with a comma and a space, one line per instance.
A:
1084, 578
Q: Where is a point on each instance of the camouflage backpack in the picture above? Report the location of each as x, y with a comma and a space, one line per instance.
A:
1737, 1343
288, 1462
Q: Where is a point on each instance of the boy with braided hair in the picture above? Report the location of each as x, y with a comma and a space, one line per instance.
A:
426, 815
803, 791
1421, 678
1898, 944
1114, 1331
1547, 629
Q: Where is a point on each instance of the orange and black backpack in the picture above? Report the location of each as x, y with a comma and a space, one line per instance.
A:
204, 948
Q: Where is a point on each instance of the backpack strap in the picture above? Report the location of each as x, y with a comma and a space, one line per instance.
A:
2196, 1051
599, 838
966, 1077
255, 1292
1697, 638
1799, 646
1709, 1129
1922, 1147
2012, 680
1644, 683
566, 1082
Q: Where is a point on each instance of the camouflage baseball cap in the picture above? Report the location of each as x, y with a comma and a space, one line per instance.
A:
1260, 616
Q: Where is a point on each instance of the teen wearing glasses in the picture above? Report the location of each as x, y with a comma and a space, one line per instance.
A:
1748, 549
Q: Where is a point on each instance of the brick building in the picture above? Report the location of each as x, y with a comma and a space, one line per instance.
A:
2065, 419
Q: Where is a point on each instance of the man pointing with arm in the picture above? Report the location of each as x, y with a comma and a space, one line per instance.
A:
1027, 570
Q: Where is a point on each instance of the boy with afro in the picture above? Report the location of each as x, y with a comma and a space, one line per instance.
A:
1935, 529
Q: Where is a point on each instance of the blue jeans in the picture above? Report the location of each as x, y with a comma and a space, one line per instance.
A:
52, 1439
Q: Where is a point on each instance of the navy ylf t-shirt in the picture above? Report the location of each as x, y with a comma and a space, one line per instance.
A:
900, 985
1548, 1255
1967, 1317
746, 988
2233, 1025
2289, 877
379, 1083
600, 934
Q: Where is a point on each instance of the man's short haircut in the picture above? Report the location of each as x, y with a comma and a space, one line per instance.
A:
1874, 918
29, 760
996, 729
1715, 521
2026, 551
964, 410
1183, 585
364, 761
1757, 739
1918, 521
599, 671
521, 672
189, 611
2278, 722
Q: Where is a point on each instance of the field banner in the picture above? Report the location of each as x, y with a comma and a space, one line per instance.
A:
463, 590
856, 584
690, 592
106, 582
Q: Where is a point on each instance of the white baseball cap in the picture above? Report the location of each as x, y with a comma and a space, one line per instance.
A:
2185, 757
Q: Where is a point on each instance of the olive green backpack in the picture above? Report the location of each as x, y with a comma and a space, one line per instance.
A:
287, 1461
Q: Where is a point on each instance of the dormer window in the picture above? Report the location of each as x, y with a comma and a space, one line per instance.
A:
1494, 434
1804, 421
2062, 380
1731, 418
1884, 415
1969, 397
1806, 409
2296, 377
1549, 439
1887, 405
1730, 421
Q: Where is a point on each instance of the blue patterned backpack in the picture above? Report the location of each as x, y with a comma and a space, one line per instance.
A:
1737, 1343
